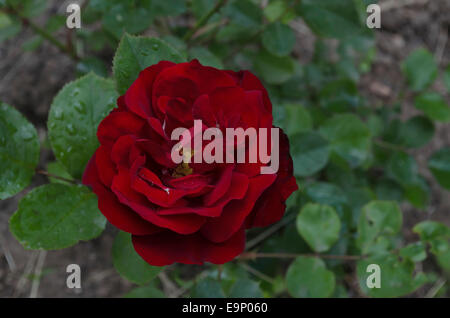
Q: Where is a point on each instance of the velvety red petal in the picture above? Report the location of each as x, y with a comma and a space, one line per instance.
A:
202, 110
121, 151
204, 78
221, 187
138, 96
240, 184
167, 248
222, 228
250, 82
160, 153
183, 224
105, 167
117, 214
228, 104
118, 124
271, 206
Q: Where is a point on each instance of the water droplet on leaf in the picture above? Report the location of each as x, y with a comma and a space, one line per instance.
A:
70, 129
26, 135
58, 114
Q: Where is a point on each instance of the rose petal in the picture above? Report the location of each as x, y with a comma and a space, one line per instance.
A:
236, 192
117, 214
250, 82
223, 227
105, 167
138, 96
117, 124
271, 205
167, 248
183, 224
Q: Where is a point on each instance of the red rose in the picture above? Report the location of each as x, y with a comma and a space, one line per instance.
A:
187, 213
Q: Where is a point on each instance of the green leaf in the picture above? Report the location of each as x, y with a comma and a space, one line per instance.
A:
310, 153
274, 69
123, 18
167, 7
397, 277
129, 264
55, 22
309, 277
415, 252
417, 192
326, 193
389, 190
205, 57
430, 230
207, 288
19, 151
416, 132
245, 20
135, 54
275, 9
297, 119
434, 106
349, 137
439, 165
278, 39
375, 124
332, 18
446, 78
145, 292
245, 288
57, 169
201, 7
92, 64
319, 225
443, 260
56, 216
9, 26
244, 13
420, 69
29, 8
74, 116
378, 218
402, 168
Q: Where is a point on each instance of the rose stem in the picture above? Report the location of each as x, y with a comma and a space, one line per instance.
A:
46, 35
187, 37
48, 174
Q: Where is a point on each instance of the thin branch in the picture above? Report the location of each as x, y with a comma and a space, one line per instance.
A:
262, 29
436, 287
43, 33
395, 4
51, 175
7, 254
388, 145
254, 255
271, 230
219, 272
37, 274
169, 287
179, 292
203, 20
27, 271
442, 43
257, 273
